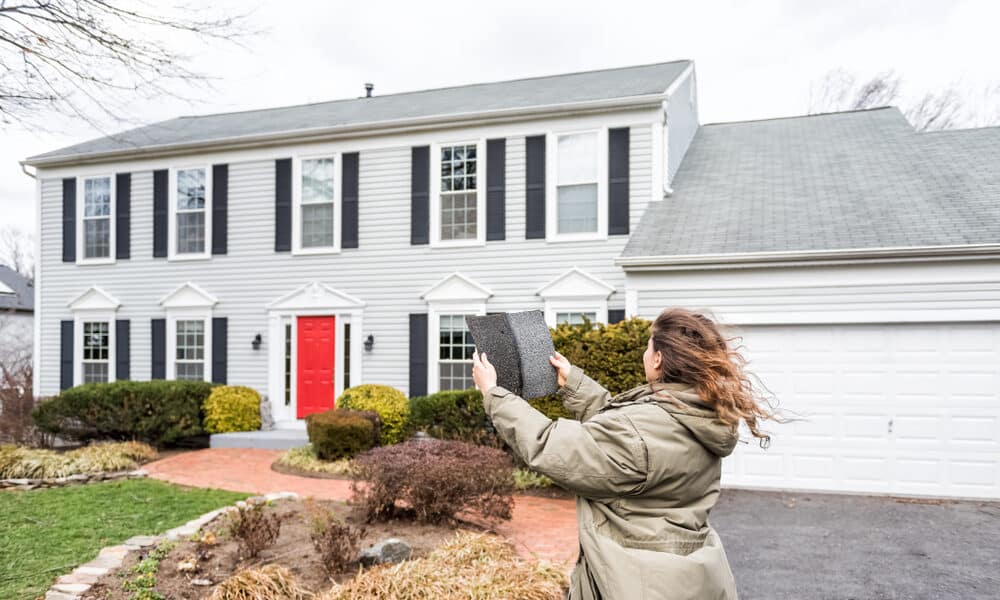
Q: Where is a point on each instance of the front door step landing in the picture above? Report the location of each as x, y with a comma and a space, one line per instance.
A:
275, 439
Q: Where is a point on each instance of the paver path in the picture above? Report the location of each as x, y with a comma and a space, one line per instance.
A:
543, 527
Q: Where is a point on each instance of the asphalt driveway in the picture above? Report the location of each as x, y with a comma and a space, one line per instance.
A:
806, 546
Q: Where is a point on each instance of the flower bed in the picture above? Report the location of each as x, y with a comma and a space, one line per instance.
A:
28, 468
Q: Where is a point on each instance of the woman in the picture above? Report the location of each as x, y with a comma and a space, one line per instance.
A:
645, 465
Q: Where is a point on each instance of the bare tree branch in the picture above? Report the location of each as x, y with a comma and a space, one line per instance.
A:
17, 250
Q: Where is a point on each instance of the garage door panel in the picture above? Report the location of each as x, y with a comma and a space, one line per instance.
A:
976, 430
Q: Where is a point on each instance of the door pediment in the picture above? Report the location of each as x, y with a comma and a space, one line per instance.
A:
315, 296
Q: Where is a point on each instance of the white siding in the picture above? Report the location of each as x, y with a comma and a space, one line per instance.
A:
386, 271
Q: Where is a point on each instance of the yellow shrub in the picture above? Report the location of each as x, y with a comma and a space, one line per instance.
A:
232, 408
390, 404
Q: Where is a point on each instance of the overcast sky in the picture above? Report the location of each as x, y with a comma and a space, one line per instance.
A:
753, 59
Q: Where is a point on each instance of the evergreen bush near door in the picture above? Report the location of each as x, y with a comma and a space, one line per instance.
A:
610, 354
157, 412
390, 404
232, 408
453, 415
341, 433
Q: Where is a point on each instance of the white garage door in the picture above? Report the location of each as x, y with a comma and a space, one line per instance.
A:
896, 409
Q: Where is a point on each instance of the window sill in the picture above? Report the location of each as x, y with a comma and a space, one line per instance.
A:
88, 262
458, 243
188, 257
576, 237
314, 251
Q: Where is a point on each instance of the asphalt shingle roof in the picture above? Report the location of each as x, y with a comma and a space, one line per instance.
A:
839, 181
553, 90
21, 296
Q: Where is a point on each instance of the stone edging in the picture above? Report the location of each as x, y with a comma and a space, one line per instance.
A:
72, 585
54, 482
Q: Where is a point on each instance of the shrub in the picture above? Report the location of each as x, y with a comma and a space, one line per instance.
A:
305, 458
158, 412
610, 354
340, 433
270, 582
17, 401
17, 462
526, 479
254, 527
232, 408
390, 404
472, 565
453, 415
435, 479
336, 542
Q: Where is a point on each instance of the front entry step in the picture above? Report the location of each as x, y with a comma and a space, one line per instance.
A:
276, 439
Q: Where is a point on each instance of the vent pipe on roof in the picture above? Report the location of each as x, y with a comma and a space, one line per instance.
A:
368, 89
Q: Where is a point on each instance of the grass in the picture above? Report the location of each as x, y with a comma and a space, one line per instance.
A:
46, 533
304, 458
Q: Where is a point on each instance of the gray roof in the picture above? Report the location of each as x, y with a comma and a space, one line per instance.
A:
21, 297
831, 182
550, 91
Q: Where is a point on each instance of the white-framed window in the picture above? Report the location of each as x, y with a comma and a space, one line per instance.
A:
458, 194
577, 197
455, 350
95, 363
189, 349
316, 204
188, 310
95, 228
571, 317
190, 212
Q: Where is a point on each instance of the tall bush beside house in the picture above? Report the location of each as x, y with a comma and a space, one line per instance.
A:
232, 408
453, 415
341, 432
391, 405
158, 412
610, 354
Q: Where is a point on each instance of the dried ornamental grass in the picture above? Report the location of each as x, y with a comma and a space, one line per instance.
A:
471, 567
270, 582
29, 463
305, 459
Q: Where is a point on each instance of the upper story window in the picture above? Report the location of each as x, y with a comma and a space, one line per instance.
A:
578, 192
190, 209
316, 205
96, 216
96, 352
458, 198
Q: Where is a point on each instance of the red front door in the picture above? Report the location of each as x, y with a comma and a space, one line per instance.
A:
315, 354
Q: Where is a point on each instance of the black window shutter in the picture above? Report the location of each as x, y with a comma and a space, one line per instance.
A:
122, 345
220, 328
220, 209
159, 339
420, 195
618, 181
349, 200
65, 355
496, 189
418, 355
69, 220
283, 205
534, 188
123, 215
616, 315
160, 213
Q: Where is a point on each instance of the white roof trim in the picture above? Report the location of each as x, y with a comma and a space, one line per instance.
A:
5, 289
576, 283
188, 295
316, 295
94, 298
456, 287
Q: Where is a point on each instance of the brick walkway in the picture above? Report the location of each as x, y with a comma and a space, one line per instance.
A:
542, 527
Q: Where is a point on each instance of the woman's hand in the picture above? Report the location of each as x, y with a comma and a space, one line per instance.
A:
561, 363
483, 373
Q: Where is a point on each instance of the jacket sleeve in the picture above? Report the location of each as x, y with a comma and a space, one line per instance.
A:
601, 458
582, 396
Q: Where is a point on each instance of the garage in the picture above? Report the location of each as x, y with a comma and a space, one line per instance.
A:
908, 408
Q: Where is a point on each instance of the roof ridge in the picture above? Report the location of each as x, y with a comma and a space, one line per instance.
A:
806, 116
959, 130
434, 89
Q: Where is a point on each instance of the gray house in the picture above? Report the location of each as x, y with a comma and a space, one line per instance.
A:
17, 307
305, 249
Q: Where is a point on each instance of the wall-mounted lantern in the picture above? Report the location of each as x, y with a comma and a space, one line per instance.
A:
369, 342
256, 342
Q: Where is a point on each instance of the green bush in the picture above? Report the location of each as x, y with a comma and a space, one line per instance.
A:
232, 408
453, 415
340, 433
158, 412
390, 404
609, 354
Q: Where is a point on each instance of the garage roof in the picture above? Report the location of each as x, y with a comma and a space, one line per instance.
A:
832, 182
16, 291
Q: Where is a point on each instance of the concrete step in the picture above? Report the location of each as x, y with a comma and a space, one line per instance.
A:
276, 439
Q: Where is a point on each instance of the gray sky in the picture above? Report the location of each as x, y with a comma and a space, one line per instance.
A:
754, 60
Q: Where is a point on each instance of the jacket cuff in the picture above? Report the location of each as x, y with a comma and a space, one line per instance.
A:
573, 382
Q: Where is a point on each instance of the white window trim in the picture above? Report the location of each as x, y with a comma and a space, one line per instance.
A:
188, 314
598, 306
551, 188
81, 191
435, 191
297, 248
93, 316
434, 312
172, 214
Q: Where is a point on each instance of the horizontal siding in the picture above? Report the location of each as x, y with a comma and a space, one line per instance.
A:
385, 271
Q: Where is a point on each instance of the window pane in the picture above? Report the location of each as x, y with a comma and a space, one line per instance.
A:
191, 233
95, 372
455, 354
190, 340
317, 180
317, 225
191, 371
97, 197
575, 318
577, 208
95, 340
458, 216
191, 189
97, 238
288, 364
577, 162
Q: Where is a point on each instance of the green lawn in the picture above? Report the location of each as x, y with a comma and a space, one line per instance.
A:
46, 533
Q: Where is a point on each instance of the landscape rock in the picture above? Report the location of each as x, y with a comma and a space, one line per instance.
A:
392, 550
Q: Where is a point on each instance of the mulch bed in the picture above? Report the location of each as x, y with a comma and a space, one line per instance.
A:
293, 550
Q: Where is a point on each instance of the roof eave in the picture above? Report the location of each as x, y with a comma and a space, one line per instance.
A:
808, 257
338, 131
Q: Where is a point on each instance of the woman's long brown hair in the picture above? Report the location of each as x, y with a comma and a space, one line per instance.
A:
695, 352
